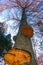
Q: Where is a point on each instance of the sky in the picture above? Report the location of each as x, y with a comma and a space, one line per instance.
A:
13, 25
7, 15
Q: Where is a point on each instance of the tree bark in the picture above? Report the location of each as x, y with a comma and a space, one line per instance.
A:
23, 42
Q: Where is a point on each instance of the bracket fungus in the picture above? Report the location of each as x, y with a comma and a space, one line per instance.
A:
14, 38
17, 57
27, 31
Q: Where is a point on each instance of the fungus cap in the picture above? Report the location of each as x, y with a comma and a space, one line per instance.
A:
27, 31
17, 56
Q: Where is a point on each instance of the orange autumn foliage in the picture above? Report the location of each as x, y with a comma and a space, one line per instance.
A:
27, 31
17, 56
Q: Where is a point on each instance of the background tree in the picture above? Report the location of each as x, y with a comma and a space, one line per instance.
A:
23, 42
25, 5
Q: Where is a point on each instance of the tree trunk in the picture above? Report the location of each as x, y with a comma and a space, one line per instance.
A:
23, 42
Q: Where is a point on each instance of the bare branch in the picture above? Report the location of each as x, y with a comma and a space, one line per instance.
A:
12, 1
34, 4
4, 6
14, 17
19, 3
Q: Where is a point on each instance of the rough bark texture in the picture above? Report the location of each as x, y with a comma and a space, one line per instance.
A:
23, 42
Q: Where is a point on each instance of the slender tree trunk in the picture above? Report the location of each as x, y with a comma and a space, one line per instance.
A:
23, 42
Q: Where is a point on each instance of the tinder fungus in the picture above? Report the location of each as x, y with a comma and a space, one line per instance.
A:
27, 31
17, 56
